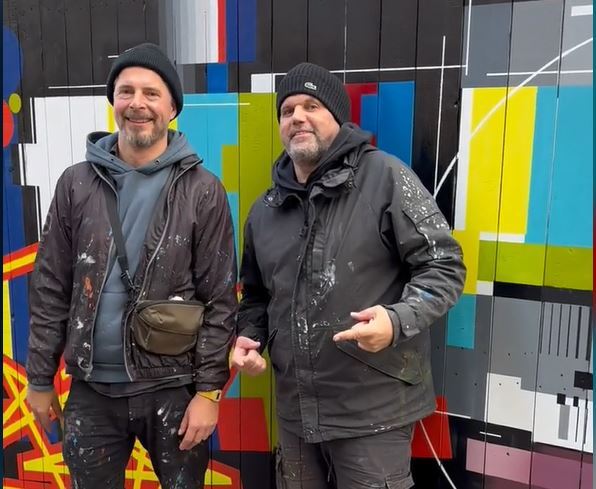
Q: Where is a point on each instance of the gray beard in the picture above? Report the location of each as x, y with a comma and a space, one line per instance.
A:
309, 156
142, 140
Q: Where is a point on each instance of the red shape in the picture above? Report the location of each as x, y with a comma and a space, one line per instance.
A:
221, 30
23, 269
20, 253
437, 429
355, 92
7, 125
243, 427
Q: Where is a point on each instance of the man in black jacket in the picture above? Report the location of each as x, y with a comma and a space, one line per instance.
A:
176, 251
347, 262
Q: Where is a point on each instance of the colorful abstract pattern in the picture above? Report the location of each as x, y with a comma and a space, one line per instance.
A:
489, 101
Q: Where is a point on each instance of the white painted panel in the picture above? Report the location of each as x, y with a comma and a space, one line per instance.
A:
463, 164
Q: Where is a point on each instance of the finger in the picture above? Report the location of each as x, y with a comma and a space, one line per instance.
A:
253, 357
44, 421
347, 335
247, 343
188, 441
364, 315
259, 367
57, 408
183, 424
238, 358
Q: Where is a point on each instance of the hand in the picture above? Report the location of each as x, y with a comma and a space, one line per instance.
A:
198, 422
373, 331
246, 358
43, 405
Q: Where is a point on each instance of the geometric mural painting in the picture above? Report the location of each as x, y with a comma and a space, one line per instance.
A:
488, 101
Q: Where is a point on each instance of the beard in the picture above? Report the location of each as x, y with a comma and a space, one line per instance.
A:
309, 152
143, 138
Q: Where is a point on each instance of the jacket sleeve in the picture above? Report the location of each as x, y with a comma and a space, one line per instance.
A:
434, 258
252, 316
51, 289
214, 275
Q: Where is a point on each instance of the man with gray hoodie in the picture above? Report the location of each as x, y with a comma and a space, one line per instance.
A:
140, 226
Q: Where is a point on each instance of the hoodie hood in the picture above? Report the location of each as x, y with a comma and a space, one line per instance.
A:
100, 145
350, 136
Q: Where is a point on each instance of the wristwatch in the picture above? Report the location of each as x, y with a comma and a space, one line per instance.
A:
214, 395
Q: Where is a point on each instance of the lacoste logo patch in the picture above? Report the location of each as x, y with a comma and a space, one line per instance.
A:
310, 85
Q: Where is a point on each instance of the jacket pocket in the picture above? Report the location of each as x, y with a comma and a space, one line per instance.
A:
396, 362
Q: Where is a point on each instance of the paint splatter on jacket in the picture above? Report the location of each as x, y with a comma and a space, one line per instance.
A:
188, 252
364, 231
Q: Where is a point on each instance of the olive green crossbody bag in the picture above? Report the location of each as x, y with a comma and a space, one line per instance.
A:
163, 327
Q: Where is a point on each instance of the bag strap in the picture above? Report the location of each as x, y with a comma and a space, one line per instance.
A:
118, 237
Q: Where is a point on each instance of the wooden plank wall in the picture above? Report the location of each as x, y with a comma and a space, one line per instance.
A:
489, 101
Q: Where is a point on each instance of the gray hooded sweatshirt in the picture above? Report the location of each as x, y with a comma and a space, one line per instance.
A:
138, 191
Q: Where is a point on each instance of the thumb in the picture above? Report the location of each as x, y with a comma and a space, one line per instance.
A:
56, 407
247, 343
183, 424
364, 315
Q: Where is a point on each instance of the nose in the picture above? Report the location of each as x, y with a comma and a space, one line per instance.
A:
299, 114
138, 99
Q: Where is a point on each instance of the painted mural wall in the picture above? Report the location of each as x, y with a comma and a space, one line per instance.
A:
489, 101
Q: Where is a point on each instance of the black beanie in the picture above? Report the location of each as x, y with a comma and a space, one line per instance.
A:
314, 80
148, 56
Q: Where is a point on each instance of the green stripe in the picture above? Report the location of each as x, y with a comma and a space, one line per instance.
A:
530, 264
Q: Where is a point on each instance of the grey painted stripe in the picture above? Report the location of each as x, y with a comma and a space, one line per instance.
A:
579, 332
568, 331
589, 341
550, 327
564, 414
559, 330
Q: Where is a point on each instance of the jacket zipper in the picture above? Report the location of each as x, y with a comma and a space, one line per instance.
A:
105, 278
149, 263
159, 243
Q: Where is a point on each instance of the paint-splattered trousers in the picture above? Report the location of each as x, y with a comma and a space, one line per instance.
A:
100, 432
376, 461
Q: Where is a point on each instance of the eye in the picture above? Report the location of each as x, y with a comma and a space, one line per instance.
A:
124, 91
286, 111
311, 106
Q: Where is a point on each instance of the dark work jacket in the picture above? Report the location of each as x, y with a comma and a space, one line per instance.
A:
188, 252
363, 232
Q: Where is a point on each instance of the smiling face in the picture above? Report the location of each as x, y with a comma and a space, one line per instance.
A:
307, 129
143, 108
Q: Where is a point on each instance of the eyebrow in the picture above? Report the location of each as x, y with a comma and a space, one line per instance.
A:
309, 98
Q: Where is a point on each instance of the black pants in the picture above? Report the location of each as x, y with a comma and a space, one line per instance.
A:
100, 431
377, 461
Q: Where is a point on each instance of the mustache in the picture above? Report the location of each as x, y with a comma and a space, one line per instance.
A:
293, 133
137, 114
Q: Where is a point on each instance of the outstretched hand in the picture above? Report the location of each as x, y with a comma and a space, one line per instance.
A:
373, 331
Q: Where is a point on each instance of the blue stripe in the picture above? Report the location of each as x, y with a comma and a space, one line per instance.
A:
247, 28
231, 31
217, 77
210, 121
461, 323
570, 221
369, 115
544, 133
396, 119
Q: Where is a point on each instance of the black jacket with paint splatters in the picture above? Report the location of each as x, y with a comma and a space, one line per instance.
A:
188, 252
362, 232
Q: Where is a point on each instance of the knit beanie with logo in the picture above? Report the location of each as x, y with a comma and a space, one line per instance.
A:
314, 80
